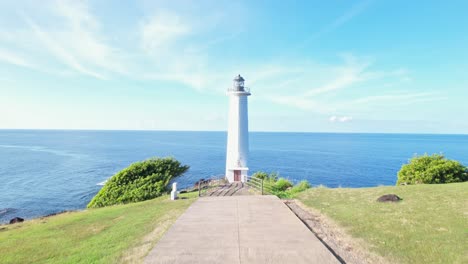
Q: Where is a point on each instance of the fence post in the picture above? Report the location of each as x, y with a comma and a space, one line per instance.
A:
199, 188
262, 186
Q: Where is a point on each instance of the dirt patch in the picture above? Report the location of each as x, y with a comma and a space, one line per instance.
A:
342, 245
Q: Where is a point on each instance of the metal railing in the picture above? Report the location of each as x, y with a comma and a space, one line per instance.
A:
233, 89
260, 185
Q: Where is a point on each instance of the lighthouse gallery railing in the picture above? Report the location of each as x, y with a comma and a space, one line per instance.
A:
233, 89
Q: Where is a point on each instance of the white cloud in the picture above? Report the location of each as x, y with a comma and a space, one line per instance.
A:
60, 52
161, 31
15, 59
395, 97
176, 43
175, 47
83, 38
354, 71
345, 118
353, 87
290, 84
340, 119
68, 32
349, 14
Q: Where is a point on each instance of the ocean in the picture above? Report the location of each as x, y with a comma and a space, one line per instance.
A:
48, 171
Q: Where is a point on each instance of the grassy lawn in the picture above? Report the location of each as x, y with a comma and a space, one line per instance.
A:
430, 224
122, 233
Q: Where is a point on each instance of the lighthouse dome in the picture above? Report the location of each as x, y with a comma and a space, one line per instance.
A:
238, 84
239, 78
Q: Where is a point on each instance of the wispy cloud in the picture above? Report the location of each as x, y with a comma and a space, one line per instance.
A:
355, 70
176, 49
209, 43
354, 87
74, 41
161, 31
340, 119
58, 51
20, 60
334, 78
172, 47
349, 14
15, 59
84, 37
402, 97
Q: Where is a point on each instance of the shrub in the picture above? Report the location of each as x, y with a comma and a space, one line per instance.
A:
432, 169
282, 185
260, 175
140, 181
302, 186
271, 178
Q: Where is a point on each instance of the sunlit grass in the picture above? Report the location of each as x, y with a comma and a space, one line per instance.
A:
430, 224
122, 233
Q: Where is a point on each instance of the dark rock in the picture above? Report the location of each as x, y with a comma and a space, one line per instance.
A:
201, 181
389, 198
16, 220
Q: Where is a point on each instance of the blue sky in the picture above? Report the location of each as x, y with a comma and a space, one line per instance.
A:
319, 66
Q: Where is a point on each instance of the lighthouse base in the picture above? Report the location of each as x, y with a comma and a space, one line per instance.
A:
237, 174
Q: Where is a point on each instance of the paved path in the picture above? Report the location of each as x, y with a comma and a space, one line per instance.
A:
239, 229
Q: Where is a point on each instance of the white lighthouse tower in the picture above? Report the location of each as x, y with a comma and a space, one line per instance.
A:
238, 132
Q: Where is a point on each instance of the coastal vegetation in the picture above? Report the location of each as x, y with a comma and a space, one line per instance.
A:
427, 226
432, 169
114, 234
278, 186
140, 181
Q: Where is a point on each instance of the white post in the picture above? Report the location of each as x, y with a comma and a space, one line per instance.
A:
174, 191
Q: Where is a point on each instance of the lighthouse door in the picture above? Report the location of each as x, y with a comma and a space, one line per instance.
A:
237, 175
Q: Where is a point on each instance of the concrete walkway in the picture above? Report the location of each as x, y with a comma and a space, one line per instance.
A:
239, 229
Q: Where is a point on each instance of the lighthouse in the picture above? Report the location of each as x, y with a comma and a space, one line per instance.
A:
238, 132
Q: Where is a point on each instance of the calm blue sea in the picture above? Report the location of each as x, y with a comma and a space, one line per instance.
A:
44, 172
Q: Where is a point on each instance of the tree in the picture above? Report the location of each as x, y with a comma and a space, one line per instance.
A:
432, 169
140, 181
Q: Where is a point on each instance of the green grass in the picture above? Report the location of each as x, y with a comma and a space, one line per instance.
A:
430, 224
122, 233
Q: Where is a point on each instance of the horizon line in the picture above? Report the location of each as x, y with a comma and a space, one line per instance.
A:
252, 131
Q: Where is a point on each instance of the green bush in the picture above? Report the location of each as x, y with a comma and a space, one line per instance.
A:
282, 185
140, 181
302, 186
260, 175
269, 180
432, 169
